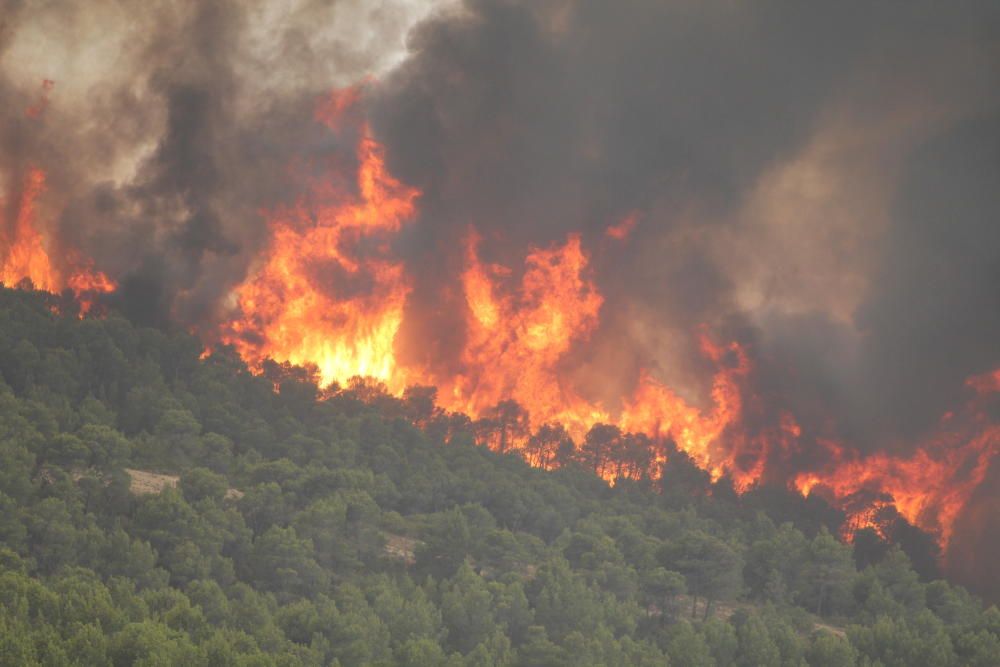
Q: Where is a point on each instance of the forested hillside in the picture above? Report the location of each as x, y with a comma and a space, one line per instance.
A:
349, 527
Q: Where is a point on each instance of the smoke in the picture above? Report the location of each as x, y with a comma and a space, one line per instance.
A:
819, 182
172, 125
772, 154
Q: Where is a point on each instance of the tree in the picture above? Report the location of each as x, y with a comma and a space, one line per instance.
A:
829, 650
563, 602
543, 446
827, 573
686, 647
203, 484
107, 446
538, 651
177, 434
681, 480
283, 562
325, 523
756, 648
420, 404
505, 426
424, 653
446, 543
773, 564
601, 442
53, 539
467, 610
660, 588
711, 568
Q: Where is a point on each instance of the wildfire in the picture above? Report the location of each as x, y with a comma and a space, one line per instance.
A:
623, 229
930, 487
656, 410
327, 293
516, 338
24, 255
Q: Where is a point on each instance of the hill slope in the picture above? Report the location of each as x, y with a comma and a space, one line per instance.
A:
161, 509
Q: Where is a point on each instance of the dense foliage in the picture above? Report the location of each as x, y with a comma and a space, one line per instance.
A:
348, 527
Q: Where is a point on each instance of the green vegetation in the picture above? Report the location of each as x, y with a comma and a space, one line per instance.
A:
317, 527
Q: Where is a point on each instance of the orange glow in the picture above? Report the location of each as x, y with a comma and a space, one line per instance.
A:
658, 411
36, 109
929, 487
516, 338
86, 283
623, 228
987, 383
317, 298
24, 255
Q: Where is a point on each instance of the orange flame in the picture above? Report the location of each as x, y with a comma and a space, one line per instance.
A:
38, 108
516, 340
24, 256
930, 487
290, 309
656, 410
328, 293
623, 229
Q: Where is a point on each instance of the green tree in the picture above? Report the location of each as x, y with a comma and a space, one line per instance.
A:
712, 569
829, 650
687, 647
660, 589
446, 544
282, 562
467, 609
202, 484
827, 573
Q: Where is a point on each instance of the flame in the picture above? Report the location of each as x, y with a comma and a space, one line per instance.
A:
24, 256
657, 410
328, 293
303, 305
930, 487
290, 309
623, 229
42, 103
515, 340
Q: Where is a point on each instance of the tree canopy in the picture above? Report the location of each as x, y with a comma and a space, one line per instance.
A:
161, 508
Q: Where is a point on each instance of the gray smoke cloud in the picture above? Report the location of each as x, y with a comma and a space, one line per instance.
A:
171, 126
817, 180
801, 175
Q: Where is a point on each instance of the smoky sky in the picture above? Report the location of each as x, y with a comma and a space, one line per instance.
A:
532, 120
820, 181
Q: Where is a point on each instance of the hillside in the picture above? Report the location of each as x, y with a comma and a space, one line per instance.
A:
157, 508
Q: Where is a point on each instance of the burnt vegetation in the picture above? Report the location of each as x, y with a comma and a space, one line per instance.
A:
307, 526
